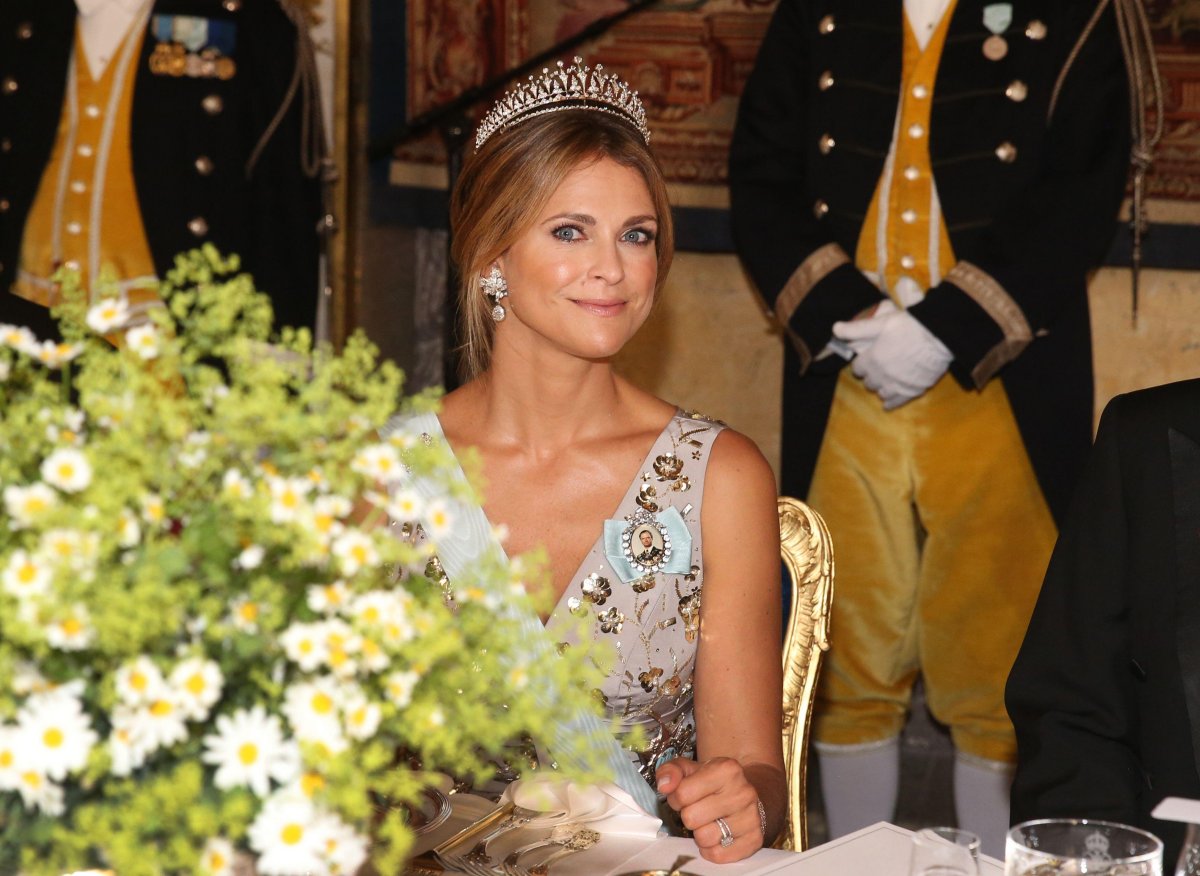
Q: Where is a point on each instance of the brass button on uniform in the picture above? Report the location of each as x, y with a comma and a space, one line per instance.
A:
1035, 30
908, 262
85, 151
920, 92
911, 173
91, 111
232, 5
1017, 91
24, 30
825, 80
9, 85
79, 187
820, 208
827, 25
916, 131
1006, 152
204, 165
213, 104
4, 205
74, 228
826, 144
198, 226
908, 217
71, 265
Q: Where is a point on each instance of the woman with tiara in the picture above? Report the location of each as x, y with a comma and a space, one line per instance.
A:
562, 238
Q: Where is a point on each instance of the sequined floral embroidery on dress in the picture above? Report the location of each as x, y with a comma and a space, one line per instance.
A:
651, 614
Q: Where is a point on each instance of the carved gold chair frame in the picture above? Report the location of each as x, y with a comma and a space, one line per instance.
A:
807, 552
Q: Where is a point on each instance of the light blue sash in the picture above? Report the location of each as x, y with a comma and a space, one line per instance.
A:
469, 538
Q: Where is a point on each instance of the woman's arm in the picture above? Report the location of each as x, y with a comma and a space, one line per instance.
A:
738, 664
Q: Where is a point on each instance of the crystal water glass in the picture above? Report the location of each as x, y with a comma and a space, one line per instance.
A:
1079, 846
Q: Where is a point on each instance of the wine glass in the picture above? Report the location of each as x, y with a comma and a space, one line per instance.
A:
944, 851
1077, 846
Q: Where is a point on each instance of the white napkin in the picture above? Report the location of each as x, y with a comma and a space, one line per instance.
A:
606, 808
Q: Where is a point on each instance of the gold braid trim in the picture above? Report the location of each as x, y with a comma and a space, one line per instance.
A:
983, 289
812, 271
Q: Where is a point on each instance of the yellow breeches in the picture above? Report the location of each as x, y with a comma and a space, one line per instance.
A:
942, 537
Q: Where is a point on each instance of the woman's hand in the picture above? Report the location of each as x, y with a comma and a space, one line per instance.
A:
703, 792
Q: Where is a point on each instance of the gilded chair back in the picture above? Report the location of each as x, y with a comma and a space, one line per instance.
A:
808, 554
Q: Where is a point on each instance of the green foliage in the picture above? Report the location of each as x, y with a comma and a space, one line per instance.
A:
234, 508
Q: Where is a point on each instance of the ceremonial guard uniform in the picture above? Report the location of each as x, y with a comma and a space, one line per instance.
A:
189, 130
930, 154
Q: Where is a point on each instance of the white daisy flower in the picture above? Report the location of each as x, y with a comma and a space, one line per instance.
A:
73, 632
127, 748
437, 519
26, 575
327, 512
304, 645
340, 643
25, 505
243, 614
376, 608
139, 682
129, 531
380, 462
53, 354
17, 337
154, 512
405, 505
312, 709
38, 792
72, 548
372, 656
400, 687
161, 722
217, 857
343, 849
354, 551
144, 340
235, 485
68, 469
198, 684
107, 315
248, 750
55, 735
250, 558
194, 450
328, 598
362, 717
287, 498
286, 839
10, 741
403, 440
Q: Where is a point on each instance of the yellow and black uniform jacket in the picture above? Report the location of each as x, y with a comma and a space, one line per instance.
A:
1029, 199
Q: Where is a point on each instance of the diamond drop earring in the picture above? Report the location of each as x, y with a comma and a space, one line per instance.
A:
495, 289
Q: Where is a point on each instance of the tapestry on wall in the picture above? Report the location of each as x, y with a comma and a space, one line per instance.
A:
689, 65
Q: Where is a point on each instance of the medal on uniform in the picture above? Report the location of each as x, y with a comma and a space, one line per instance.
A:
996, 18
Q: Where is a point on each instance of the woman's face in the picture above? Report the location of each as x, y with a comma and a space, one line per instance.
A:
581, 278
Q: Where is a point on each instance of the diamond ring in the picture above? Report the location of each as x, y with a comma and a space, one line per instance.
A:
726, 833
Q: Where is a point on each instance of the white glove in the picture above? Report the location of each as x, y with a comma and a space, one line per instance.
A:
897, 357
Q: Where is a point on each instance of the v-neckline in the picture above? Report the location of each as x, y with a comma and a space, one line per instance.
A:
599, 540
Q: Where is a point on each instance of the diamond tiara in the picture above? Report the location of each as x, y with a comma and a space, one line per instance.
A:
574, 87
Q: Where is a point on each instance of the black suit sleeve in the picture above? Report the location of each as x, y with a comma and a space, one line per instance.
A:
1038, 249
1071, 693
807, 280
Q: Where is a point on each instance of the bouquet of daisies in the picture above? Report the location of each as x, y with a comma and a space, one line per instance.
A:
216, 640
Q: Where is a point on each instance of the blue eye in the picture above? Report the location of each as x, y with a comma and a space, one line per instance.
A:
568, 233
639, 236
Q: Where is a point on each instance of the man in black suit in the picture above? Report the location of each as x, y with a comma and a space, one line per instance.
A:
1105, 692
155, 126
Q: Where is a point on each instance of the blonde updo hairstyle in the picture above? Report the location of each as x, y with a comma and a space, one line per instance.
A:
504, 187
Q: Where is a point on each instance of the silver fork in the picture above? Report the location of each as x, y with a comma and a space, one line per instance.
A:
571, 839
478, 855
